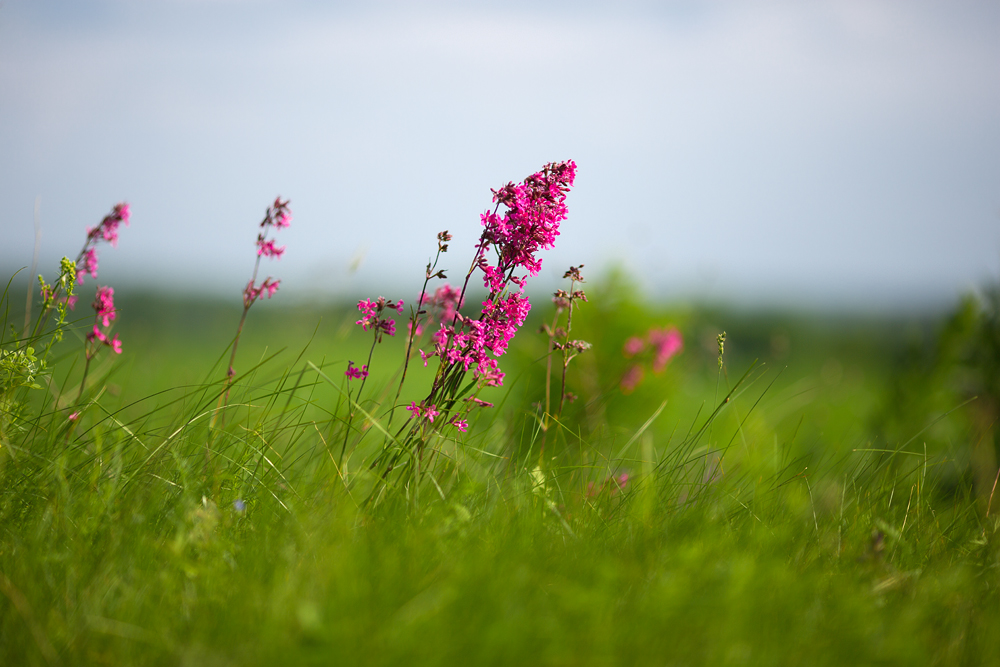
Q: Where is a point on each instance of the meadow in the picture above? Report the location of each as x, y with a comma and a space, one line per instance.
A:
812, 490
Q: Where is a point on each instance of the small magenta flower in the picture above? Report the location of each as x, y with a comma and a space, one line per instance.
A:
354, 373
371, 316
268, 249
108, 229
431, 413
89, 265
74, 416
414, 409
460, 424
104, 304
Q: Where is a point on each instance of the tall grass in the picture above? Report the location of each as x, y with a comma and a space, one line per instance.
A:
141, 533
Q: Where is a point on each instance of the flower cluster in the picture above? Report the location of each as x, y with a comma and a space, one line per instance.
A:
253, 292
534, 209
104, 306
440, 306
419, 411
429, 413
663, 344
108, 229
86, 262
371, 316
531, 222
355, 373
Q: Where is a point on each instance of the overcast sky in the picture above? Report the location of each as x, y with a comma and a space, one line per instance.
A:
821, 153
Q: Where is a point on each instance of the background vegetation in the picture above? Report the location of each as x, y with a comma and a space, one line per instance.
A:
824, 498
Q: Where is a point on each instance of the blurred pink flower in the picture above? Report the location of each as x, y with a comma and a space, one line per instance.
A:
634, 346
268, 249
631, 379
667, 343
104, 304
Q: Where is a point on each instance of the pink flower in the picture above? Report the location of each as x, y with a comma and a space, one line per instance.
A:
89, 265
73, 417
431, 413
478, 402
123, 212
104, 304
371, 316
108, 229
353, 373
424, 356
97, 334
116, 345
631, 379
667, 343
460, 424
414, 409
268, 249
634, 346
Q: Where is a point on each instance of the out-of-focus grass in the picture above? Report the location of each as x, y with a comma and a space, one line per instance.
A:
145, 533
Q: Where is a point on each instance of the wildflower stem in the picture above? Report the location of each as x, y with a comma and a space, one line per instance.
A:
350, 406
565, 350
83, 380
413, 329
231, 373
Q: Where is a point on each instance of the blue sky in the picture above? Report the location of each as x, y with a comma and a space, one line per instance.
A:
821, 154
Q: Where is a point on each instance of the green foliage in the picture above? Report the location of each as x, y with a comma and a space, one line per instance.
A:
710, 517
